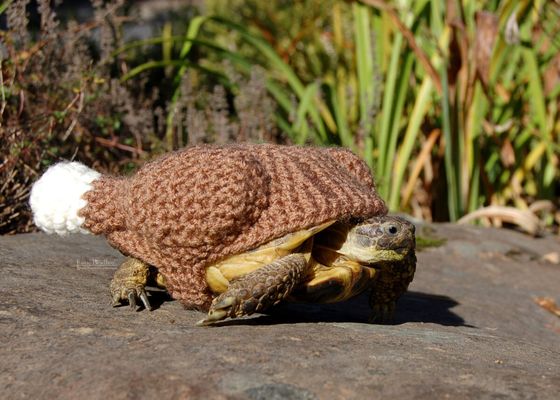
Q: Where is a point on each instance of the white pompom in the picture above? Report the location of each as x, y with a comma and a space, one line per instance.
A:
56, 197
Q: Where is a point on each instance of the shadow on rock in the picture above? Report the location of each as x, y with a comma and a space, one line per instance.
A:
429, 308
412, 307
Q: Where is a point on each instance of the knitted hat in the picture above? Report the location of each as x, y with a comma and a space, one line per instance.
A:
191, 208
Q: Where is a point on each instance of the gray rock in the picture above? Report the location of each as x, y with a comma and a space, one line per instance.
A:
468, 328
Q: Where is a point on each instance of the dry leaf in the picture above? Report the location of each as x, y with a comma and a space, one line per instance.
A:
525, 219
552, 257
511, 33
552, 75
486, 34
548, 304
507, 154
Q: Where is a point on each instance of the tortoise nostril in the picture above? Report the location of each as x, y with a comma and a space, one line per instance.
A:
392, 230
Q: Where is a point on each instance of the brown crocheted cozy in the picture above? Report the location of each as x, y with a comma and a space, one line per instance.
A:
190, 208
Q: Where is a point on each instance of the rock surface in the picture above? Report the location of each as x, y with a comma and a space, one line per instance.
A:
468, 328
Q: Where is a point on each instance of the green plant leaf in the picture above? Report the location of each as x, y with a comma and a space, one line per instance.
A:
306, 104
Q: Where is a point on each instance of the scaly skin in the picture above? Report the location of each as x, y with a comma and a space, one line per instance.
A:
259, 290
392, 281
130, 280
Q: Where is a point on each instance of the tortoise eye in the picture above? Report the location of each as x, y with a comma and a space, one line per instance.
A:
392, 230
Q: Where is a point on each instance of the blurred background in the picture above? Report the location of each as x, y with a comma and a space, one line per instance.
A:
453, 104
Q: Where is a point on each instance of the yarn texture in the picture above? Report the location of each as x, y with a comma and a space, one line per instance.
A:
191, 208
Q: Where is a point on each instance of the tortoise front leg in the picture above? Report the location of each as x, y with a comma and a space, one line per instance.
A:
382, 312
130, 280
390, 285
258, 290
383, 301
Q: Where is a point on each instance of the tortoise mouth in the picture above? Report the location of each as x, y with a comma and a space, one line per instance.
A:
394, 254
402, 249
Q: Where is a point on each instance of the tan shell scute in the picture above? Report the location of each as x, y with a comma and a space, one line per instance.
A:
194, 207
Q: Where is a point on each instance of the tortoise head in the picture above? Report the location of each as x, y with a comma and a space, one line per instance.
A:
378, 239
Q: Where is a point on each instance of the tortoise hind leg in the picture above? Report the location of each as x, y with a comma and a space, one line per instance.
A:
258, 290
130, 280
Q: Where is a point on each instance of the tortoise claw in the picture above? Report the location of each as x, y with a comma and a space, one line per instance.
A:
218, 311
132, 299
128, 284
132, 295
144, 297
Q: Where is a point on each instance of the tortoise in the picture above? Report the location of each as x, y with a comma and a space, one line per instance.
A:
327, 263
190, 215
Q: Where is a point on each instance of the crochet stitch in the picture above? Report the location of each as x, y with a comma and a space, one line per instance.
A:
191, 208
